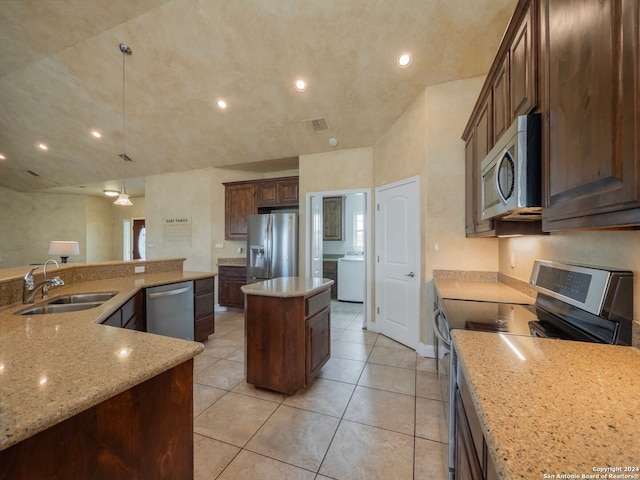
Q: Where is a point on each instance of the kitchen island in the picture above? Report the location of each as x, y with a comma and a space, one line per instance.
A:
288, 331
83, 400
553, 407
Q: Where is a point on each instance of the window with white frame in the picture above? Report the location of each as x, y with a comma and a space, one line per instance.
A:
358, 233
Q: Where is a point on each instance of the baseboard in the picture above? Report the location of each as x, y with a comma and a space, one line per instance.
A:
427, 351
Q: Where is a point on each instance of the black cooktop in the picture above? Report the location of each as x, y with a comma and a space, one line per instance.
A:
489, 316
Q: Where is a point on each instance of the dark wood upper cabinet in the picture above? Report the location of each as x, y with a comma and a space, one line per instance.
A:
522, 69
501, 101
483, 134
510, 90
239, 202
255, 196
592, 141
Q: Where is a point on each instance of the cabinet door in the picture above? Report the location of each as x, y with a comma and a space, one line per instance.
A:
267, 194
287, 192
483, 142
318, 340
239, 202
230, 280
523, 65
501, 105
330, 271
470, 186
467, 462
591, 165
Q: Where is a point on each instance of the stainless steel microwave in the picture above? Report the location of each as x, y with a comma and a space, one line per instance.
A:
511, 173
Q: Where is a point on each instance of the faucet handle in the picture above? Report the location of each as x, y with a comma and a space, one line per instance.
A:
28, 278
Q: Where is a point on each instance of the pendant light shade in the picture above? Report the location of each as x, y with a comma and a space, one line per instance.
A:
123, 198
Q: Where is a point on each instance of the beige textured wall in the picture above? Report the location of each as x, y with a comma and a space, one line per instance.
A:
99, 239
180, 195
29, 221
616, 249
93, 221
426, 141
333, 171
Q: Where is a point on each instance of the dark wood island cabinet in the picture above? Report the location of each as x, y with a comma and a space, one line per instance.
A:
288, 332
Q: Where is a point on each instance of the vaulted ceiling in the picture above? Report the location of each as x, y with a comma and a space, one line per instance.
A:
61, 76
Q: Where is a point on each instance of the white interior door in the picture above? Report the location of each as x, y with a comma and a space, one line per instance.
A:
316, 236
398, 261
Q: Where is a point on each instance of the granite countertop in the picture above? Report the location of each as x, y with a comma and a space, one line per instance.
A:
232, 262
57, 365
566, 408
486, 291
287, 287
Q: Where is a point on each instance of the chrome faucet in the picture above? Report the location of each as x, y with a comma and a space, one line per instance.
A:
45, 287
30, 289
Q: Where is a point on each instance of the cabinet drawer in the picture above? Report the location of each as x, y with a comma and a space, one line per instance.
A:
203, 285
203, 305
316, 303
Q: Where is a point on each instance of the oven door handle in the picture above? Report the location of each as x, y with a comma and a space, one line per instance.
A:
437, 327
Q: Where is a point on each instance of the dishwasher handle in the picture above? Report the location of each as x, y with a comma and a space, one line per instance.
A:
168, 293
437, 328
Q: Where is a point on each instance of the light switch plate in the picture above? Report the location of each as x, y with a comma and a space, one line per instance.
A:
139, 269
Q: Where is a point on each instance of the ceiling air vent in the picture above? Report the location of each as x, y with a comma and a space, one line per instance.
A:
125, 157
316, 125
32, 173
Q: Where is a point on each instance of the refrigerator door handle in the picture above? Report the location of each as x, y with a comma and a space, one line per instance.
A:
268, 253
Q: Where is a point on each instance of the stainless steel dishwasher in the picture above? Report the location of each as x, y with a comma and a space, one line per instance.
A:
170, 310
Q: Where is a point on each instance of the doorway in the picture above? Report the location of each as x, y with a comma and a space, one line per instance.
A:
134, 239
398, 273
337, 224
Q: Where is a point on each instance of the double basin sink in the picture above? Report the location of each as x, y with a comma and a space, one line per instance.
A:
68, 303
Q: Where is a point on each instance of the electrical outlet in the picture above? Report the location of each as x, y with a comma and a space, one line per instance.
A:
139, 269
239, 250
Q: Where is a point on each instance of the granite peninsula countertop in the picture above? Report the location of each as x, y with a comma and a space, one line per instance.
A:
287, 287
566, 408
57, 365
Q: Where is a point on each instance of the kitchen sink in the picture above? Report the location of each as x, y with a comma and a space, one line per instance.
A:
68, 303
58, 308
82, 298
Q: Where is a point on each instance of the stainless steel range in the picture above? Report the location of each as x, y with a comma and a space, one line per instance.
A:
575, 302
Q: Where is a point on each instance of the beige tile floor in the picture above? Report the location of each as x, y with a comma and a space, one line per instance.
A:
374, 412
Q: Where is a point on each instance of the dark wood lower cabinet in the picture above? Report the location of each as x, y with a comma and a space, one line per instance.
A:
230, 279
288, 340
130, 315
330, 271
145, 432
467, 463
203, 308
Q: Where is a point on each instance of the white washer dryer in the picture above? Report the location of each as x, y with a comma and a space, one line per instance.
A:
351, 276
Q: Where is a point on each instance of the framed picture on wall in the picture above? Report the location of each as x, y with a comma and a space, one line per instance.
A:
332, 218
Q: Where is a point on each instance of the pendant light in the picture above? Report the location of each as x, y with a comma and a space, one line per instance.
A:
123, 198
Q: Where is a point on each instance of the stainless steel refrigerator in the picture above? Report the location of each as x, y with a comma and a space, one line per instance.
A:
272, 246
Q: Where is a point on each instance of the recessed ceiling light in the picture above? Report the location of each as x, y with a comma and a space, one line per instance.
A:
111, 193
404, 60
96, 134
300, 85
42, 146
222, 105
2, 157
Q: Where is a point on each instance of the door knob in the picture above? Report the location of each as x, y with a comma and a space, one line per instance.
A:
410, 274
